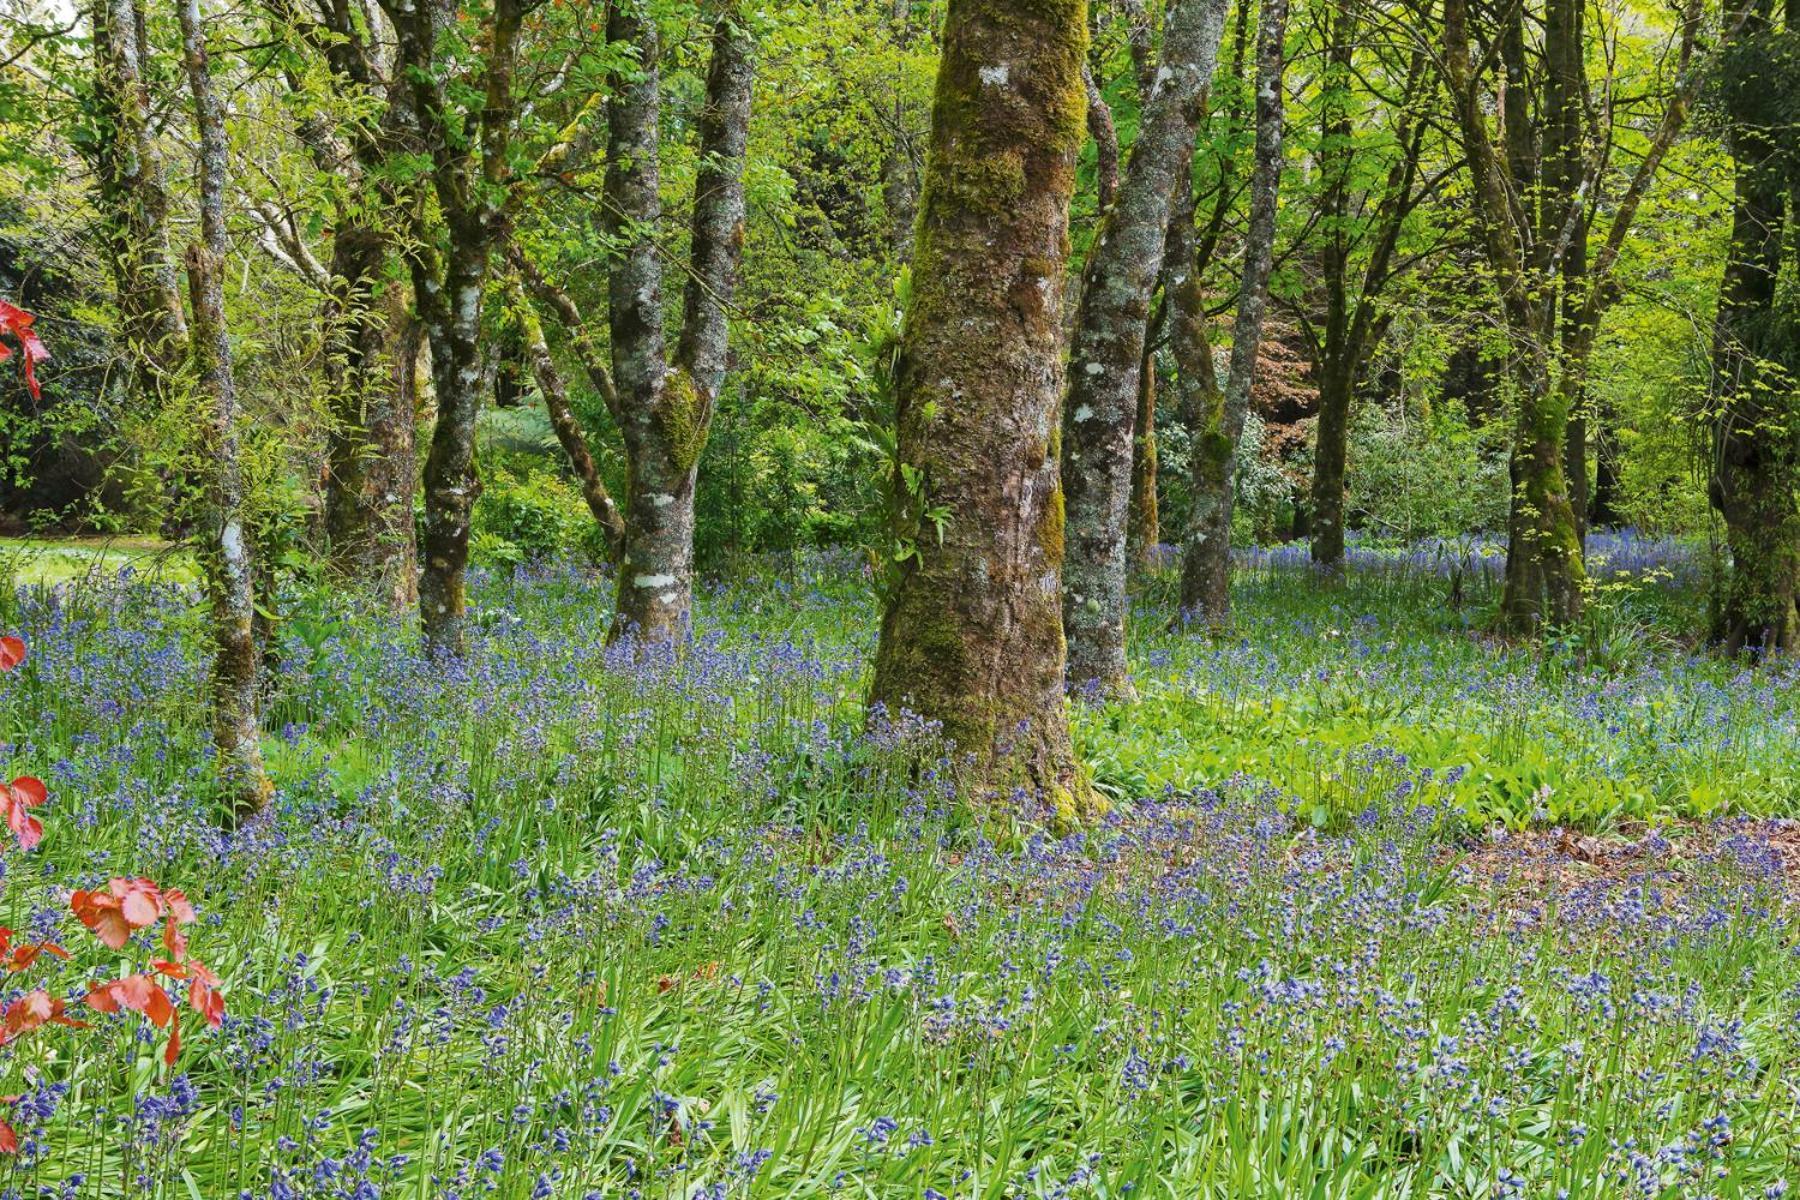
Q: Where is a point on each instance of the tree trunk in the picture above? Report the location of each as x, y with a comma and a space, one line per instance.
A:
972, 633
1144, 530
1330, 456
1754, 443
370, 469
568, 429
1206, 555
226, 554
667, 407
133, 200
470, 172
1107, 356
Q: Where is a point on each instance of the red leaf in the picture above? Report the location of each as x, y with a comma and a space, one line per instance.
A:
139, 993
18, 798
33, 1010
126, 904
17, 322
9, 1138
12, 652
173, 1051
24, 956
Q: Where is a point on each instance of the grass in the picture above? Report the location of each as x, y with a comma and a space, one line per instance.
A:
554, 922
36, 561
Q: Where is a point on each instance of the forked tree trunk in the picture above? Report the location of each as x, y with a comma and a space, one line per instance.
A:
665, 407
1206, 553
972, 632
226, 553
371, 473
1100, 412
470, 172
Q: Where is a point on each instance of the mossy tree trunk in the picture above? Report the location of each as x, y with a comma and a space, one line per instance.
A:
1206, 548
972, 633
227, 549
1105, 371
1754, 443
665, 407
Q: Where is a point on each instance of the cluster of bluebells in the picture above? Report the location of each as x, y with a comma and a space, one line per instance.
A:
560, 919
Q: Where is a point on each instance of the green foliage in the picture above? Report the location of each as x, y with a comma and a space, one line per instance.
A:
529, 511
1424, 475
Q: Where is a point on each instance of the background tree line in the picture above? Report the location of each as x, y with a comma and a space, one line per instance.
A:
1007, 295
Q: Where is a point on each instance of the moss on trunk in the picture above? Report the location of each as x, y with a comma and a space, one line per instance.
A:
972, 635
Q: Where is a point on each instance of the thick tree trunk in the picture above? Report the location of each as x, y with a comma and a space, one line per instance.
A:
667, 407
1754, 444
133, 199
1100, 412
370, 469
972, 634
1206, 553
453, 325
227, 553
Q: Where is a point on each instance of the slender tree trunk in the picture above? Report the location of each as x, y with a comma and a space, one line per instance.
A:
227, 553
899, 173
1106, 143
133, 199
1754, 443
1104, 373
1144, 528
1603, 507
667, 407
972, 633
1206, 555
370, 469
568, 429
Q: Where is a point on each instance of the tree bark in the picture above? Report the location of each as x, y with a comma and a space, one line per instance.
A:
1754, 444
1100, 412
370, 481
972, 633
1206, 554
666, 407
227, 551
134, 201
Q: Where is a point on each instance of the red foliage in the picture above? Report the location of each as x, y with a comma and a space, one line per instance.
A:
113, 914
18, 798
128, 904
16, 323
